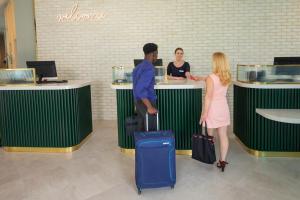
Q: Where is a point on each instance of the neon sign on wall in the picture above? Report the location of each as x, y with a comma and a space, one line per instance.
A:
75, 15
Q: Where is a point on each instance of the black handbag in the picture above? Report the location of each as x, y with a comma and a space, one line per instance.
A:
132, 124
203, 148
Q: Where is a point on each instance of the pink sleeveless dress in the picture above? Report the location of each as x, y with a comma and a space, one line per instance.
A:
218, 112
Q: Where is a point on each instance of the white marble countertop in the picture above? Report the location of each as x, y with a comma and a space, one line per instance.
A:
291, 116
267, 86
71, 84
170, 84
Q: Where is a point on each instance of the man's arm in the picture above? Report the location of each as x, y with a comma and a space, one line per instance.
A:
142, 90
150, 109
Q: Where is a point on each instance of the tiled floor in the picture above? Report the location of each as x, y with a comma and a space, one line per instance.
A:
100, 171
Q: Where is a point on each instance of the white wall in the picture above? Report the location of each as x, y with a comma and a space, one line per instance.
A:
25, 31
249, 32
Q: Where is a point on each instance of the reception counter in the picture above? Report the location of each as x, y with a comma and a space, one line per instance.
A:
266, 118
179, 104
46, 117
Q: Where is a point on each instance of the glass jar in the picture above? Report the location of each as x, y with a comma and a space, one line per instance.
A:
121, 75
160, 73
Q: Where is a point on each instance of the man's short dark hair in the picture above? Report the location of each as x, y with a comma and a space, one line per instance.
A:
149, 48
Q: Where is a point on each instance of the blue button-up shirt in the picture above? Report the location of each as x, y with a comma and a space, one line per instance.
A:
143, 77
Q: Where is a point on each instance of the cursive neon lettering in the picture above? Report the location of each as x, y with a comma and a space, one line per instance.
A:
74, 15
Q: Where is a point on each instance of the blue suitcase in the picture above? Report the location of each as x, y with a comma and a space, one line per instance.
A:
155, 162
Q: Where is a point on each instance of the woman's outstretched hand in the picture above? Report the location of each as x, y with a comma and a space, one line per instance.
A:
198, 78
179, 78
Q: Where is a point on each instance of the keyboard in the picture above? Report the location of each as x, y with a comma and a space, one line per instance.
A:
52, 81
283, 80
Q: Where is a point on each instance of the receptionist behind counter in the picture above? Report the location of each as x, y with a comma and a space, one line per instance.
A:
179, 69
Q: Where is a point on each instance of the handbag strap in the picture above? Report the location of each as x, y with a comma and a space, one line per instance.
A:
210, 138
205, 129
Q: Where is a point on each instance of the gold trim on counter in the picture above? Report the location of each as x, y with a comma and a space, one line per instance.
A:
178, 152
267, 153
184, 152
47, 149
128, 151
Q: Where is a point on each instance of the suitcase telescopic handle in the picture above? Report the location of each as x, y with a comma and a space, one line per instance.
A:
147, 121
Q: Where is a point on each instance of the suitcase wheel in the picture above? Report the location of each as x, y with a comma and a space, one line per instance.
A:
139, 191
172, 186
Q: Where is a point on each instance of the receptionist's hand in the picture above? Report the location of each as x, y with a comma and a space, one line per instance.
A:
151, 110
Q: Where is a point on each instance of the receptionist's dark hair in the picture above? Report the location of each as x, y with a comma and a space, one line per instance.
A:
177, 49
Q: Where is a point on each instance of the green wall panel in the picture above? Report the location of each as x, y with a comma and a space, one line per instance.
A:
179, 111
262, 134
45, 118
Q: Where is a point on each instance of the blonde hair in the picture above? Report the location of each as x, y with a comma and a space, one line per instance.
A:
221, 67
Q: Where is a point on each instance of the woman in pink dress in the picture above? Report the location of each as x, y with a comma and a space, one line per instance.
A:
216, 111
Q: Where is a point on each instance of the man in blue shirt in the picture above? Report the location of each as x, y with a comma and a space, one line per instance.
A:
143, 86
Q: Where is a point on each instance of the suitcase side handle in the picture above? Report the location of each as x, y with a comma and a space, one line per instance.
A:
147, 121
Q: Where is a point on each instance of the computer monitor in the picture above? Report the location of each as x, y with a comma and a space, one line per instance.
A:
43, 69
291, 69
286, 60
158, 62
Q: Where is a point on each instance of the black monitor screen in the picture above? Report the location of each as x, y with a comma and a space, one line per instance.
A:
286, 60
43, 69
158, 62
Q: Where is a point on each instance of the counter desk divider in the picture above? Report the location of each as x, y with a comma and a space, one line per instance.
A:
48, 118
179, 102
260, 132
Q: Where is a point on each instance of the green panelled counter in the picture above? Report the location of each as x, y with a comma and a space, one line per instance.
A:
267, 118
46, 117
179, 104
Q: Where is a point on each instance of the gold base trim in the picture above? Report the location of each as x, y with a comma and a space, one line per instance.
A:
267, 153
128, 151
47, 149
184, 152
178, 152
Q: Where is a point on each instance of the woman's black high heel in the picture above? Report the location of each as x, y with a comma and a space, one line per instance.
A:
222, 165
